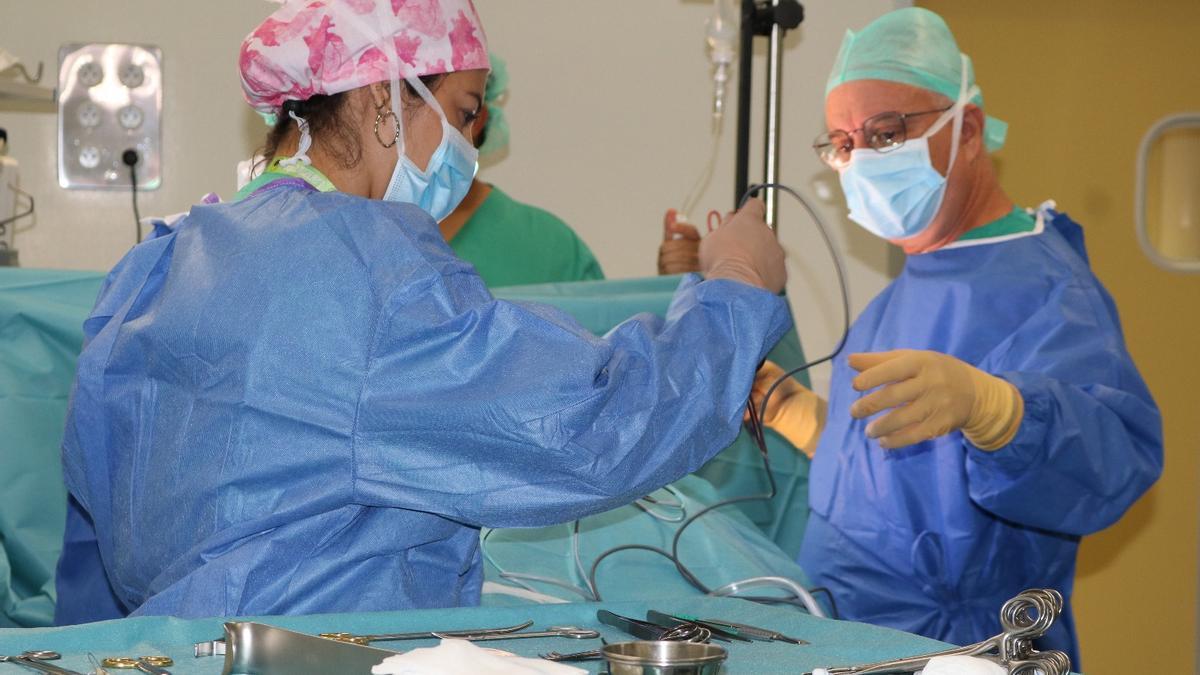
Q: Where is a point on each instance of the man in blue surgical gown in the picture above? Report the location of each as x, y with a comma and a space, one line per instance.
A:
985, 413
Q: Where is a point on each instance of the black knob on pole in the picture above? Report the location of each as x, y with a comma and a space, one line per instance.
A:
788, 14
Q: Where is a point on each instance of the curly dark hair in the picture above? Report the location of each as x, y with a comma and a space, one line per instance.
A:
324, 114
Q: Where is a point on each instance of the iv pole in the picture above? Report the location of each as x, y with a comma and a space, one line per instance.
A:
771, 19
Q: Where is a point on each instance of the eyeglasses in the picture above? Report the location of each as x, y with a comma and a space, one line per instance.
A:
883, 132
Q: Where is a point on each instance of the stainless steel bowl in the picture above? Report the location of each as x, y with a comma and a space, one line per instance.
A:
663, 658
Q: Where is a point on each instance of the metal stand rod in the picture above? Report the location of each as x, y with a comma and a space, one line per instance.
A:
773, 129
745, 86
771, 19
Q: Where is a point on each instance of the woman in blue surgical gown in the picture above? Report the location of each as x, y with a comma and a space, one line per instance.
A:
301, 401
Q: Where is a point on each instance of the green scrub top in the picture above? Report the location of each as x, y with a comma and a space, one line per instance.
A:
515, 244
509, 243
1016, 222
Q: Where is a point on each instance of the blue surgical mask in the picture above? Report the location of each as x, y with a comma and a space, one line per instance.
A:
444, 183
896, 194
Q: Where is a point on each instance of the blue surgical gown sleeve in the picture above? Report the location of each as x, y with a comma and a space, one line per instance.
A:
84, 591
526, 419
1091, 440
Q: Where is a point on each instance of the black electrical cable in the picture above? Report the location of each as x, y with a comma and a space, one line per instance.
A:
755, 414
756, 423
841, 273
673, 555
27, 212
130, 159
833, 610
618, 549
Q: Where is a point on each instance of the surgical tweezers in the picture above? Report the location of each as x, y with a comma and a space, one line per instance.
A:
724, 633
746, 630
644, 630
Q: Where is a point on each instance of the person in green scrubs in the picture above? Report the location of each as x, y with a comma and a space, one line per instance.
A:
511, 243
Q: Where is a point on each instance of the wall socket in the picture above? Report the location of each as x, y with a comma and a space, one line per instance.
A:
109, 101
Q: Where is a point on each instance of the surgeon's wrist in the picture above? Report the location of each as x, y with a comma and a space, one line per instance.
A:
801, 419
735, 270
997, 414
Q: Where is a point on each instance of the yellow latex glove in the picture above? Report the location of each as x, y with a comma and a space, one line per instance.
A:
934, 394
794, 412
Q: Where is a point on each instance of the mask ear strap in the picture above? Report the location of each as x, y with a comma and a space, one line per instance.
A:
381, 42
397, 111
301, 156
449, 133
964, 96
426, 95
956, 113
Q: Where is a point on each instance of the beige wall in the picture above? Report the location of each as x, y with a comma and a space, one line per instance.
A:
616, 119
1080, 83
608, 107
206, 127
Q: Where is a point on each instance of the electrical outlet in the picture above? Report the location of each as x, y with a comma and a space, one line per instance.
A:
90, 156
132, 75
90, 74
109, 101
90, 115
130, 117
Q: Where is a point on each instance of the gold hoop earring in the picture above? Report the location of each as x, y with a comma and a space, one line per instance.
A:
379, 118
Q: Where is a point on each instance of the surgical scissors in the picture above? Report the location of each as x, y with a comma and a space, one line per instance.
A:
155, 665
36, 660
553, 631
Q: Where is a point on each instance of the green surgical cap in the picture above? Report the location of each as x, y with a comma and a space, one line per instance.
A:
912, 46
495, 131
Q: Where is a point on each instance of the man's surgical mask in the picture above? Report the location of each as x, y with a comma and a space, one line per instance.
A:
896, 194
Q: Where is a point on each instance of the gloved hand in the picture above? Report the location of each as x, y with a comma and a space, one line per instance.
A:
744, 249
679, 252
934, 394
794, 411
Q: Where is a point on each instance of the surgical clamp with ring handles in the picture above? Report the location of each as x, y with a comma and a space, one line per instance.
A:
217, 647
1024, 619
553, 631
155, 665
421, 635
471, 636
36, 660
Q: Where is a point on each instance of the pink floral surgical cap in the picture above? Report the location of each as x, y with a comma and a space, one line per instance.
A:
309, 47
